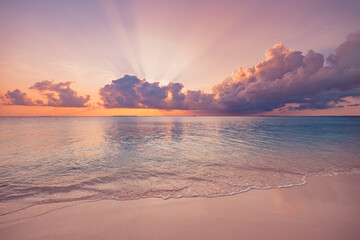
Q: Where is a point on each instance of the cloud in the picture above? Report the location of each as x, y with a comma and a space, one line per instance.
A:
16, 97
286, 77
55, 94
60, 94
131, 92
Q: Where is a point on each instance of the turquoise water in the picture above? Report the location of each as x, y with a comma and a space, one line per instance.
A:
47, 160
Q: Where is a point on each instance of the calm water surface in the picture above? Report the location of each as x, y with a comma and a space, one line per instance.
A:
45, 160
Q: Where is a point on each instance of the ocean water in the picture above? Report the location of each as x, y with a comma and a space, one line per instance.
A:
46, 160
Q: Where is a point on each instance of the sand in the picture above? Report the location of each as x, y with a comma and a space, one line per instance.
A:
324, 208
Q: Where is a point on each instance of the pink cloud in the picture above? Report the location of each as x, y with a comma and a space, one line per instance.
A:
56, 95
288, 76
16, 97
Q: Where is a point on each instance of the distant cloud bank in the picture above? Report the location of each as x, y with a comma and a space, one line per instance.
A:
286, 79
55, 94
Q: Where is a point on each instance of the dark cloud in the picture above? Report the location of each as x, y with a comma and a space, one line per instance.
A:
56, 95
131, 92
354, 105
16, 97
288, 76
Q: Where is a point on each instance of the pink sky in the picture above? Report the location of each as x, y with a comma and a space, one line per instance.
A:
198, 44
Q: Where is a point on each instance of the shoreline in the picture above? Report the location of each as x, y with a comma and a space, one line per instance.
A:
64, 204
333, 172
331, 199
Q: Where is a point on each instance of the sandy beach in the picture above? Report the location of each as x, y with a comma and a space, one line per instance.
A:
324, 208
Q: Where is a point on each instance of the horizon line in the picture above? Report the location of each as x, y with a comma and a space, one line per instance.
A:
192, 116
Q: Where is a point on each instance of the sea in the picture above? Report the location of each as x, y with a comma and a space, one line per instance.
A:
52, 162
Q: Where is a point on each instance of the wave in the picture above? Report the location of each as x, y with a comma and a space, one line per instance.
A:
188, 191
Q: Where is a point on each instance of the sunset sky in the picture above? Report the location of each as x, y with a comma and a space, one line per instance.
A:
87, 58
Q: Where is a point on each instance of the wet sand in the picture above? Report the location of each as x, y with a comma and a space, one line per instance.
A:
324, 208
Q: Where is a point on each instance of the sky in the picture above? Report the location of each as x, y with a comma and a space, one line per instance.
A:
200, 57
